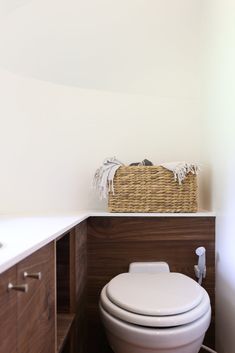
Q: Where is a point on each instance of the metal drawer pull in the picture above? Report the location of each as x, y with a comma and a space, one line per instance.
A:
36, 275
19, 287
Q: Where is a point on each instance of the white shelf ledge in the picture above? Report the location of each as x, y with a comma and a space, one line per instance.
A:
21, 236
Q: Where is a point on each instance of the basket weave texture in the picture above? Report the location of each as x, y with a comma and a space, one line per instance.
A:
152, 189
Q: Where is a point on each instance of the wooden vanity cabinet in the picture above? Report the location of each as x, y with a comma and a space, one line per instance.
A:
27, 318
8, 314
36, 308
44, 310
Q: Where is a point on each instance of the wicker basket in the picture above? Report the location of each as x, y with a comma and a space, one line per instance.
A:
152, 189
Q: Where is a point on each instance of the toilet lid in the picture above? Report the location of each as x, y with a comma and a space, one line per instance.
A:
159, 294
155, 321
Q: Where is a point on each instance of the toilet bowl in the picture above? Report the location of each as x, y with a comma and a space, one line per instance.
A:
154, 312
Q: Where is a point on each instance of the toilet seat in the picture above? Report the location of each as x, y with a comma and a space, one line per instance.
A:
158, 294
155, 300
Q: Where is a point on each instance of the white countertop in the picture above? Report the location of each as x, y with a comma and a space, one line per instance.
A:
21, 236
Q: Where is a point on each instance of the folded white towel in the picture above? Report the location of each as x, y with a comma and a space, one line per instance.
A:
181, 169
103, 179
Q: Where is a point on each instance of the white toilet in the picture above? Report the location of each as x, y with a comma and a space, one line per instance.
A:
155, 312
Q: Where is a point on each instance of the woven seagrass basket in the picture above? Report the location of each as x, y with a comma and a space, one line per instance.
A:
152, 189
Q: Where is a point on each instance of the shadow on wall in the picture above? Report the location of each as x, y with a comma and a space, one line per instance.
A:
205, 181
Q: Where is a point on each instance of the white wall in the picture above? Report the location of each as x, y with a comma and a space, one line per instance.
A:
54, 137
218, 152
133, 46
81, 81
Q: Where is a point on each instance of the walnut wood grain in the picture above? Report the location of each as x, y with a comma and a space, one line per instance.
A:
72, 271
8, 315
81, 287
115, 242
64, 324
36, 309
71, 289
63, 273
81, 262
65, 289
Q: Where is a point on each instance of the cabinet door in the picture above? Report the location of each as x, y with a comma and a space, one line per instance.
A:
36, 308
7, 313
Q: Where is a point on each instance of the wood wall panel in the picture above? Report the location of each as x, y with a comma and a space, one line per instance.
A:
115, 242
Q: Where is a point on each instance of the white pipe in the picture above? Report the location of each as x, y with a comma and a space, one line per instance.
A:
208, 349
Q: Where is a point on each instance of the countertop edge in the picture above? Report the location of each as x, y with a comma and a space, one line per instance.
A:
14, 255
